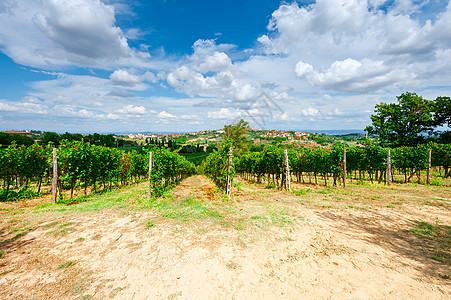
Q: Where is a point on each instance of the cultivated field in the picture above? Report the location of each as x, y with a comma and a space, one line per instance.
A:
365, 241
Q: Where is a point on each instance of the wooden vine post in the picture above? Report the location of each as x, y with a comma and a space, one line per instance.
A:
149, 190
428, 176
229, 177
344, 168
389, 175
287, 171
55, 176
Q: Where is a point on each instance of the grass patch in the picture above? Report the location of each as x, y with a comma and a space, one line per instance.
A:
51, 224
436, 238
65, 225
422, 229
150, 224
301, 192
66, 265
186, 209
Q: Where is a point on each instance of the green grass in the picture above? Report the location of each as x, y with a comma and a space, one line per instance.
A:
187, 209
66, 265
51, 224
423, 229
301, 192
150, 224
437, 240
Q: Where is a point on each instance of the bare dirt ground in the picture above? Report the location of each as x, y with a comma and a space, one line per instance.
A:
316, 243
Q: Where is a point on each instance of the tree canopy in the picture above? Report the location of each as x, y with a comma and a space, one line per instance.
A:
237, 133
410, 121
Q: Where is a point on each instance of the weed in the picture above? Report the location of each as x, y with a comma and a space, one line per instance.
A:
301, 192
6, 272
21, 234
50, 224
66, 265
2, 253
437, 181
422, 229
79, 240
325, 191
65, 225
150, 224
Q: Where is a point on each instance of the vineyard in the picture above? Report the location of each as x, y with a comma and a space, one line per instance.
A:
362, 163
83, 164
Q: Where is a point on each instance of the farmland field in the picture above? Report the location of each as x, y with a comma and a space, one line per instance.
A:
365, 241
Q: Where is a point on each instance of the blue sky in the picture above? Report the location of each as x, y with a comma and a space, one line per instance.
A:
174, 65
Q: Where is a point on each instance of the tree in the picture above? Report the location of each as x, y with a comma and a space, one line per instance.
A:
51, 137
237, 133
405, 123
442, 111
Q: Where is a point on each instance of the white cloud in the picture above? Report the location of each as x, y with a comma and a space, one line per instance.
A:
124, 78
218, 61
130, 109
189, 117
310, 111
27, 105
82, 28
224, 113
53, 33
166, 115
352, 76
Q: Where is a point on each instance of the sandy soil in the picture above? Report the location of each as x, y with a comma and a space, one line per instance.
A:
286, 248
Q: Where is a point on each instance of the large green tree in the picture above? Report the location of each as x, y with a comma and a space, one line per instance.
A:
408, 122
237, 133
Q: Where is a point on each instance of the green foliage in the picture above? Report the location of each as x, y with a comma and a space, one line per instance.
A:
7, 139
82, 162
269, 163
237, 134
50, 137
411, 121
216, 165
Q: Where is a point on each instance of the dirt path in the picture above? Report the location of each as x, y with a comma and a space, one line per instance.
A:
265, 244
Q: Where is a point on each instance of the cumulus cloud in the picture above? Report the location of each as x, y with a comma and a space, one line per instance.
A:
224, 114
386, 46
130, 109
53, 33
166, 115
352, 76
84, 28
124, 78
27, 105
189, 117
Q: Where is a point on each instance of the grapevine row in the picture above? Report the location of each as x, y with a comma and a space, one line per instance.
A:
322, 163
90, 165
216, 166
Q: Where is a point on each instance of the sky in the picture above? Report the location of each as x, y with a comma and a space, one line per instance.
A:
178, 66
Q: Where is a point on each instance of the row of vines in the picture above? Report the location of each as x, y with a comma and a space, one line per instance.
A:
216, 166
83, 164
363, 163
